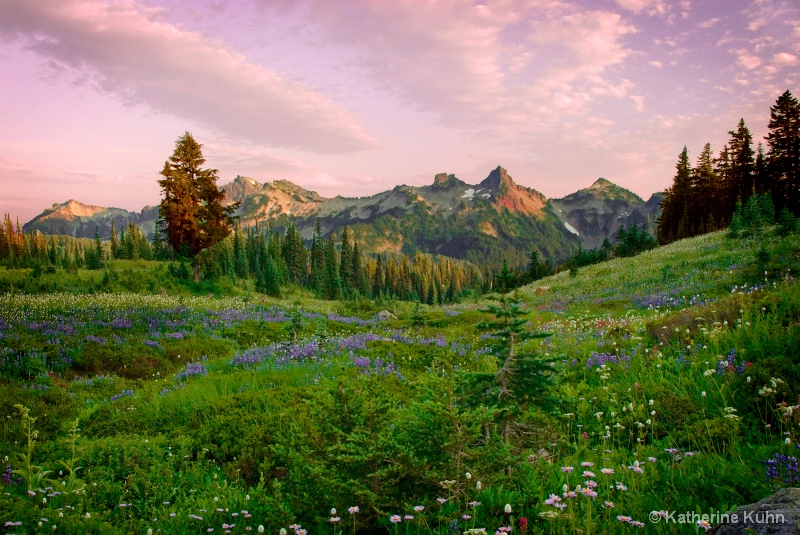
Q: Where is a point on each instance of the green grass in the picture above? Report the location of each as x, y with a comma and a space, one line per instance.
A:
170, 424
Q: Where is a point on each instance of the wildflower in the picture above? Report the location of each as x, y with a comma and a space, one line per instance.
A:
636, 524
587, 474
394, 519
608, 504
408, 517
650, 402
465, 517
606, 471
468, 476
589, 493
88, 516
703, 393
704, 524
569, 494
441, 500
334, 519
567, 469
591, 484
478, 485
621, 486
623, 518
552, 499
507, 509
353, 510
652, 459
419, 508
587, 464
301, 531
474, 504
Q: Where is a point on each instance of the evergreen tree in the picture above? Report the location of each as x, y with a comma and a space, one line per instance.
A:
722, 210
318, 260
676, 197
742, 170
703, 192
522, 377
239, 255
94, 255
192, 205
783, 159
333, 286
346, 263
114, 241
787, 223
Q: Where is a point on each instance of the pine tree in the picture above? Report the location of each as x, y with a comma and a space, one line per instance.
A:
522, 377
346, 263
318, 260
673, 205
783, 159
722, 169
192, 204
114, 242
703, 187
94, 255
239, 255
333, 285
742, 170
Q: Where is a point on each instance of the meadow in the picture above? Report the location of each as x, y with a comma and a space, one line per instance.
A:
670, 383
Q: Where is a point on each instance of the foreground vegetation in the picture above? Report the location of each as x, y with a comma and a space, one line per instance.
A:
671, 385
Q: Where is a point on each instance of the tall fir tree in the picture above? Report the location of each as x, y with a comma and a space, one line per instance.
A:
318, 260
346, 263
192, 205
783, 159
676, 197
742, 170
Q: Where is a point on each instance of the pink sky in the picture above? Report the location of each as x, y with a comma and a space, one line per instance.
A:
353, 97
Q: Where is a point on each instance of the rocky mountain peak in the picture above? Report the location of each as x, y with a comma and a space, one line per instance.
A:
443, 180
497, 179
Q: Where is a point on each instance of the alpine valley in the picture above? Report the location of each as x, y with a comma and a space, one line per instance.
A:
484, 223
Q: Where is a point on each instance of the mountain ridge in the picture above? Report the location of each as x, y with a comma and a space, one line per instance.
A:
482, 221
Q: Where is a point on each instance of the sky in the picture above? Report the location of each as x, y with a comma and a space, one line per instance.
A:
353, 97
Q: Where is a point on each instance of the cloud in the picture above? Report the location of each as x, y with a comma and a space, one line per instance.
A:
784, 58
506, 70
747, 60
125, 49
709, 23
651, 7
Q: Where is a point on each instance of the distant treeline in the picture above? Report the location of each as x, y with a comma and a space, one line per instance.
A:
333, 267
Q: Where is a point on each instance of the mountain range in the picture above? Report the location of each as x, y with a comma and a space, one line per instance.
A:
487, 222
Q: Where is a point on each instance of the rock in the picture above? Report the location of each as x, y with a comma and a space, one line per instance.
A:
778, 514
386, 315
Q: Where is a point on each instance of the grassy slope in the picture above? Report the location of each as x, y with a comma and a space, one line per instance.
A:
312, 434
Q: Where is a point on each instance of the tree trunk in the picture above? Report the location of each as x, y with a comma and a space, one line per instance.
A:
196, 270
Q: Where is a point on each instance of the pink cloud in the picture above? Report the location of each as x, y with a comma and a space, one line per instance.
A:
125, 49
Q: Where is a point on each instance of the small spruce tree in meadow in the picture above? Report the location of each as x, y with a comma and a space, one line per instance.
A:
787, 223
523, 377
